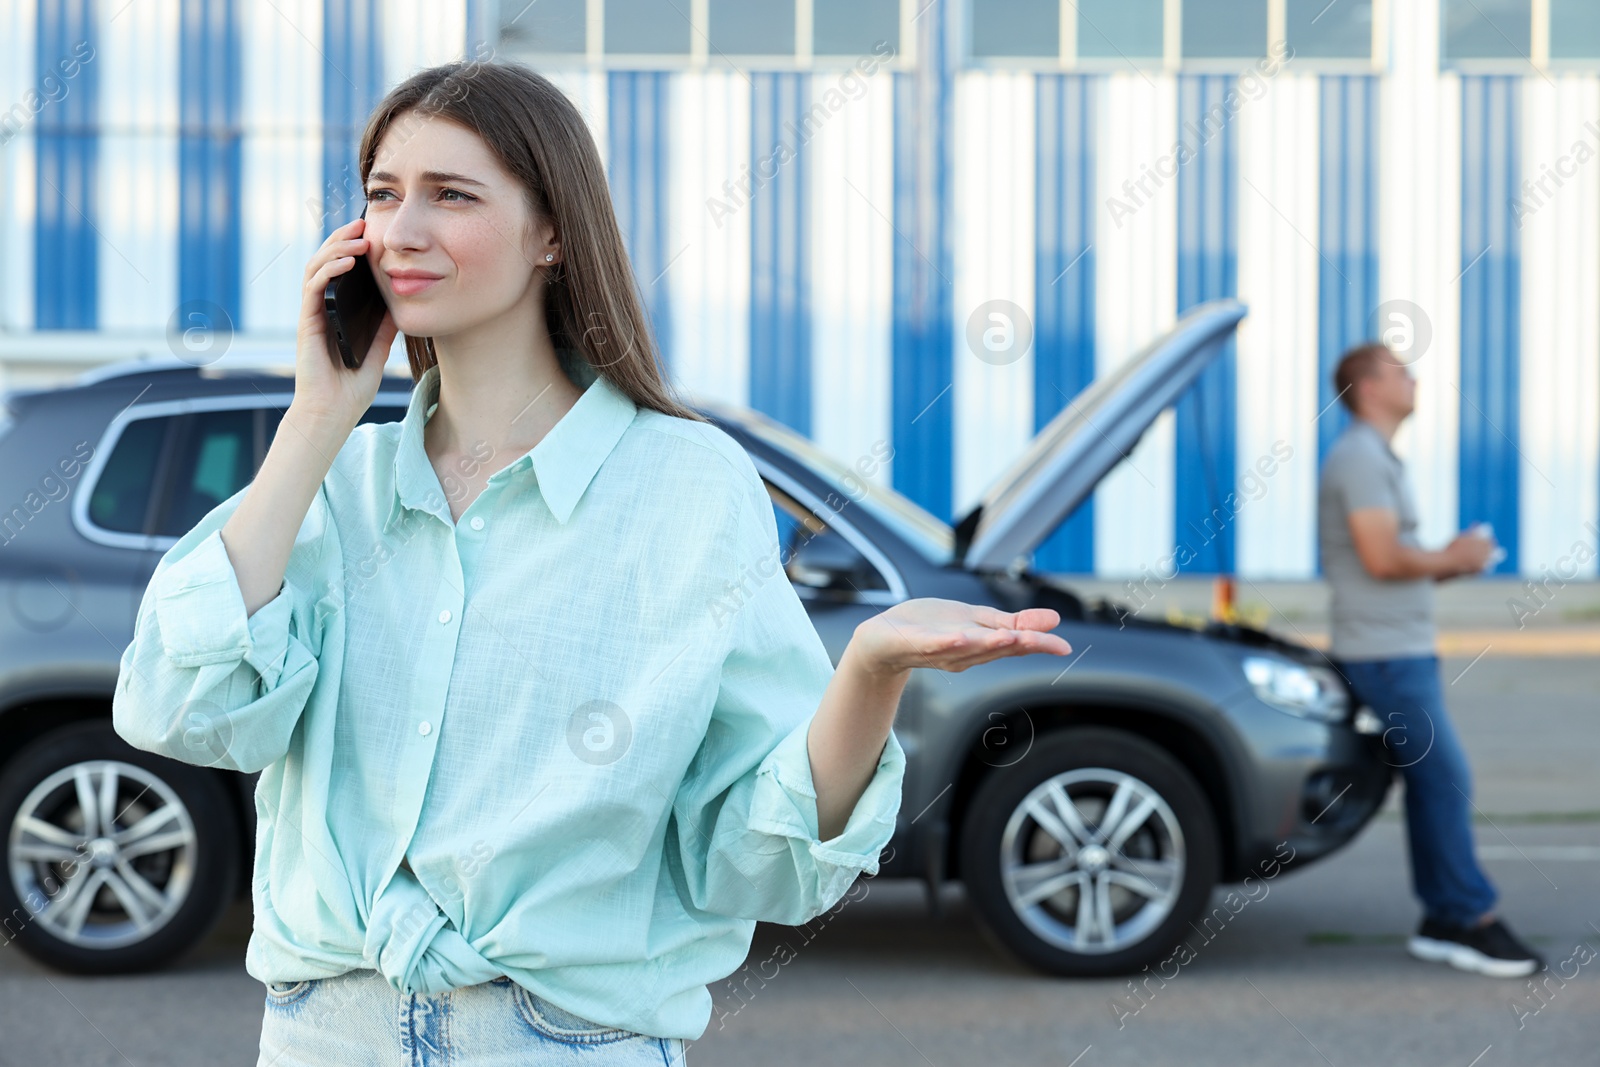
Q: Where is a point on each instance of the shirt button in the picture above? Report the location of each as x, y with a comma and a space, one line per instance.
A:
424, 728
477, 522
444, 616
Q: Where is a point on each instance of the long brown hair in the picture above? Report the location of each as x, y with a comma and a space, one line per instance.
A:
592, 304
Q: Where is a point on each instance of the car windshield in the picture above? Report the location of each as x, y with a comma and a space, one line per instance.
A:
930, 538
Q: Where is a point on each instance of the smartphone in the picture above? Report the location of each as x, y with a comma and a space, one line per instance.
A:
355, 310
1486, 531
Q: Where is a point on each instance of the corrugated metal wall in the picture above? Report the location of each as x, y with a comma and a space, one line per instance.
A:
1491, 307
1281, 279
1066, 132
1136, 282
1208, 269
1559, 393
825, 246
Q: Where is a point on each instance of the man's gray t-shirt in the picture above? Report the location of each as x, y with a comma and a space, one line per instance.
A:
1372, 618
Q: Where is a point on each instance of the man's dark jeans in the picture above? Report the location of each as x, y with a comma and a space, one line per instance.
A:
1408, 699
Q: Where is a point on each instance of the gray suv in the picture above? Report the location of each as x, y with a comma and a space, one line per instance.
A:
1089, 807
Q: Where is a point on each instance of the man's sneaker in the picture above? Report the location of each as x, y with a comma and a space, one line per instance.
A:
1489, 949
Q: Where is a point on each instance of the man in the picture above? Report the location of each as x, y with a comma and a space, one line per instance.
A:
1383, 643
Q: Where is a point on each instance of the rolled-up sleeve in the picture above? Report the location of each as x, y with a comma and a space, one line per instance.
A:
202, 681
202, 617
784, 802
747, 809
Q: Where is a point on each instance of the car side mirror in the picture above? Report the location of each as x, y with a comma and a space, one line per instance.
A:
827, 561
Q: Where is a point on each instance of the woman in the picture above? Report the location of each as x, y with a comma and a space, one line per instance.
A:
543, 729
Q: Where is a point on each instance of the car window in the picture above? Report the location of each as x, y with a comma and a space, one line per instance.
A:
384, 413
121, 497
216, 458
796, 522
932, 538
272, 418
216, 453
791, 518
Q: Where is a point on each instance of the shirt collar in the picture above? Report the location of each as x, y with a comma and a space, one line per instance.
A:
1361, 424
564, 461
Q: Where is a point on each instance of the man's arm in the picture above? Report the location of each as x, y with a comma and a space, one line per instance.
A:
1376, 535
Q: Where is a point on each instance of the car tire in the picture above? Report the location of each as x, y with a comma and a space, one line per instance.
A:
1032, 894
160, 880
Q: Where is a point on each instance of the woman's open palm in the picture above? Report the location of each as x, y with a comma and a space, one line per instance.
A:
950, 635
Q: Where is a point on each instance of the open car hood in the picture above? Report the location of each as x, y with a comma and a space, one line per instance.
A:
1094, 433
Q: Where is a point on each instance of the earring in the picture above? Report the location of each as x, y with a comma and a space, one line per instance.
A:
549, 257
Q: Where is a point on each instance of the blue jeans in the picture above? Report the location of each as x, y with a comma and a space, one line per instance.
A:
358, 1019
1408, 699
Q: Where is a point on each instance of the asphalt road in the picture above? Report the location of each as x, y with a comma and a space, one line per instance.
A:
1312, 973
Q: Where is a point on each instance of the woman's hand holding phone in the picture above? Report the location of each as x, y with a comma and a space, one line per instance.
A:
324, 389
329, 400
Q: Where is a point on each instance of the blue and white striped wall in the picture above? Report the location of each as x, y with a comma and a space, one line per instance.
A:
814, 244
191, 158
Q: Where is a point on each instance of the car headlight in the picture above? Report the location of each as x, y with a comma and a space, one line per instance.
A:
1310, 692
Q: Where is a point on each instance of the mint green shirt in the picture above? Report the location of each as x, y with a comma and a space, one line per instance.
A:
578, 715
